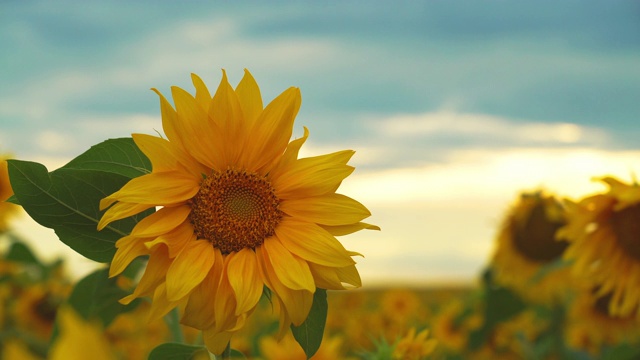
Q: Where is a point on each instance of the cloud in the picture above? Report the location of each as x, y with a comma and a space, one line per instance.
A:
467, 125
476, 175
53, 141
436, 213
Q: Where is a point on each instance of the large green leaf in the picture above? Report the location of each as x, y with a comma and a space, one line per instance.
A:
96, 297
175, 351
309, 333
67, 199
117, 156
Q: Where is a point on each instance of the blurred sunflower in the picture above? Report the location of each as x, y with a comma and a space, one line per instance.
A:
400, 305
239, 211
79, 339
36, 307
604, 235
454, 323
526, 244
414, 346
6, 209
17, 350
589, 326
132, 337
288, 349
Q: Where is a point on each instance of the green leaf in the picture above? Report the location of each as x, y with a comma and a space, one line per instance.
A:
621, 352
117, 156
67, 199
309, 333
13, 199
96, 297
21, 253
175, 351
501, 304
237, 354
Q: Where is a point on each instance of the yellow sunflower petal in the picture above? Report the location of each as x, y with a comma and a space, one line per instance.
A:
292, 271
226, 112
349, 275
289, 157
161, 305
161, 189
197, 131
626, 195
119, 211
129, 248
170, 122
250, 99
216, 341
157, 150
165, 156
199, 312
312, 243
203, 97
225, 304
325, 277
341, 230
329, 209
296, 303
245, 279
153, 275
314, 176
162, 221
189, 268
284, 320
271, 133
175, 240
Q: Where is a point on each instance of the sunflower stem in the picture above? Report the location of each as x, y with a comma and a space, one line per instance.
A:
173, 322
226, 354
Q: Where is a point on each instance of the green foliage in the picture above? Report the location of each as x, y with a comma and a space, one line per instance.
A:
309, 333
382, 350
622, 352
19, 252
96, 297
67, 199
175, 351
500, 304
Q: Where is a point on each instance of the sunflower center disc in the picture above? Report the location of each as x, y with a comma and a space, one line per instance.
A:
626, 226
235, 210
535, 239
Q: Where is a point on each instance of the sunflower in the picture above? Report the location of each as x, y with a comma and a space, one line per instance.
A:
237, 211
454, 323
6, 209
36, 307
526, 244
79, 339
414, 347
604, 236
590, 327
287, 349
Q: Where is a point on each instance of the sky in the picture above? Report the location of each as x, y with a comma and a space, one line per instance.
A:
453, 107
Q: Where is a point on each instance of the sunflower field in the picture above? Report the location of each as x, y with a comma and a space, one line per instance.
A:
219, 241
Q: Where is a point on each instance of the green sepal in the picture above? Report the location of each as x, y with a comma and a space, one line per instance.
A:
309, 334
